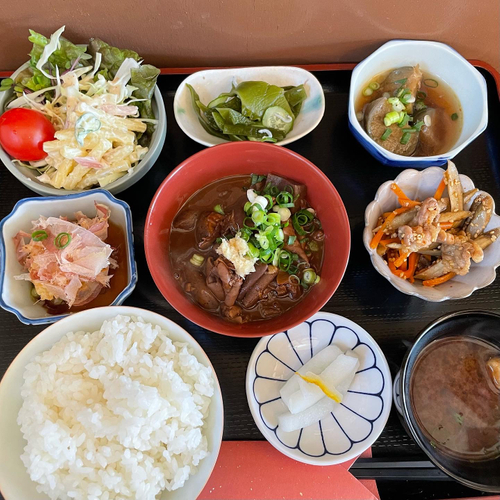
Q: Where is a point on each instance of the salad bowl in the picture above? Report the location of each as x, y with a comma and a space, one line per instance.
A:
421, 185
28, 176
355, 423
435, 58
211, 83
15, 295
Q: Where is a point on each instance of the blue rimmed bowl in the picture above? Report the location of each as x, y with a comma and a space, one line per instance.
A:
354, 425
437, 59
15, 295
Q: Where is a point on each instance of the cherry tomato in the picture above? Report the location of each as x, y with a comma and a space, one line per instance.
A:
23, 132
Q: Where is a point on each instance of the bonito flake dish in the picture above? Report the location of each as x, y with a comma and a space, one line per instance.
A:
67, 261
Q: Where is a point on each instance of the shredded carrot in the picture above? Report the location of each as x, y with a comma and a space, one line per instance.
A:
399, 192
386, 241
378, 236
402, 258
392, 267
446, 225
408, 203
440, 190
438, 281
412, 266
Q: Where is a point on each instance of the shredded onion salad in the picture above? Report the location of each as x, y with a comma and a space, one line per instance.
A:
96, 120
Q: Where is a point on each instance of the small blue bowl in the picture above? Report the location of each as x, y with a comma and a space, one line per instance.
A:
15, 295
437, 59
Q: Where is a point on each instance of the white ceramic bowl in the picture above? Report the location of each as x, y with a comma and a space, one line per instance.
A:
15, 483
421, 185
435, 58
354, 425
15, 295
210, 83
29, 179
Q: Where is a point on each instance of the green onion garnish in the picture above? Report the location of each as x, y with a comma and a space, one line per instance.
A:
374, 85
309, 277
300, 219
253, 251
454, 116
219, 209
247, 207
418, 125
258, 217
313, 246
405, 138
273, 219
218, 240
404, 121
431, 83
386, 134
255, 179
284, 198
291, 240
419, 105
367, 92
401, 82
39, 235
421, 95
197, 260
62, 240
392, 117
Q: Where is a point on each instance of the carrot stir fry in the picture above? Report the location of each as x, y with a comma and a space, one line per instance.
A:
436, 239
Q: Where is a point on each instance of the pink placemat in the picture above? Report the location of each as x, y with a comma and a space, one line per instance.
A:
254, 470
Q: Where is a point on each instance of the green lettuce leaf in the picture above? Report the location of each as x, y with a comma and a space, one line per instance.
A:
144, 79
64, 57
112, 57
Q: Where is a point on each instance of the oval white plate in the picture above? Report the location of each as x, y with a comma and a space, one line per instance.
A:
354, 425
15, 483
420, 185
211, 83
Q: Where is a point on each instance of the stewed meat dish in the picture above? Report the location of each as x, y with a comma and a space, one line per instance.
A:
247, 248
410, 113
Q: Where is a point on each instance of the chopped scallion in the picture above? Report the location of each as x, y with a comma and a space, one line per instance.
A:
374, 85
421, 95
431, 83
390, 118
219, 209
405, 138
386, 134
291, 240
454, 116
197, 260
309, 277
367, 92
62, 240
39, 235
401, 82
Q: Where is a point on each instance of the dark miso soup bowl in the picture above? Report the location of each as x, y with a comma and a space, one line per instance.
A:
482, 475
246, 158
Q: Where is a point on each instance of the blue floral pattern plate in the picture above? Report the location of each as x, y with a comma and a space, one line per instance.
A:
354, 425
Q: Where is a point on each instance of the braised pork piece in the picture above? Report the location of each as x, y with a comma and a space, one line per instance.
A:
410, 113
247, 248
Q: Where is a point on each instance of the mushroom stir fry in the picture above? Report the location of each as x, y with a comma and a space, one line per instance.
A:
436, 239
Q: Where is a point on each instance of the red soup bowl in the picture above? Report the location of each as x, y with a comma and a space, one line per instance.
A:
240, 158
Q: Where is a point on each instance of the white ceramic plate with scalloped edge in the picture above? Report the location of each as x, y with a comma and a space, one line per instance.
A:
354, 425
421, 185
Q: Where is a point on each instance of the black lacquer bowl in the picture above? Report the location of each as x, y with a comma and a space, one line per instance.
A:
479, 474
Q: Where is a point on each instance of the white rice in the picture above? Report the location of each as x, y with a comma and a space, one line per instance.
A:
114, 414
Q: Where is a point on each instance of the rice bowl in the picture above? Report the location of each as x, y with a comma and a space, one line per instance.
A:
127, 410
